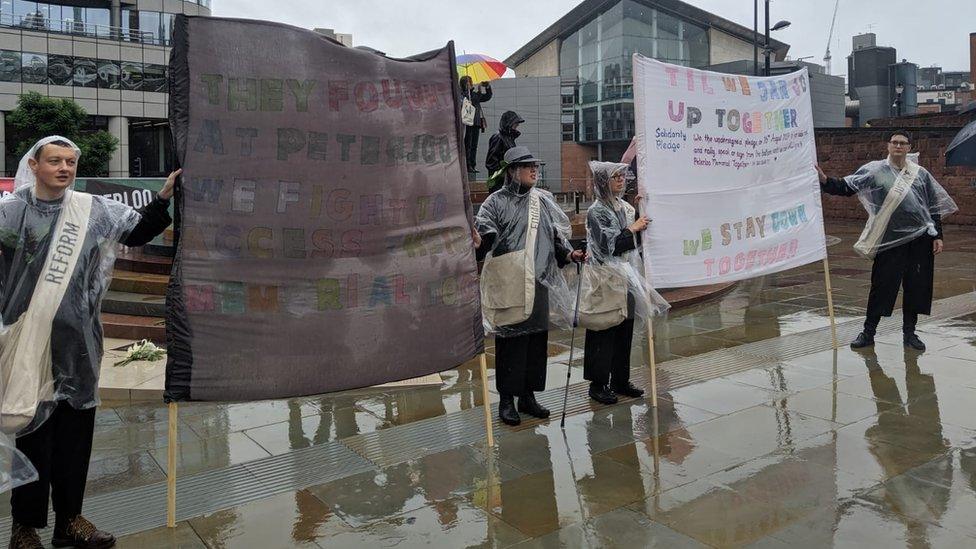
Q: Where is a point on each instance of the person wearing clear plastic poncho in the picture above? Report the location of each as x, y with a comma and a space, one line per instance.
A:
524, 242
613, 272
56, 254
903, 233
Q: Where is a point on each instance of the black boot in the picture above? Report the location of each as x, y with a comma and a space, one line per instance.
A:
529, 405
506, 411
628, 390
912, 340
862, 340
602, 394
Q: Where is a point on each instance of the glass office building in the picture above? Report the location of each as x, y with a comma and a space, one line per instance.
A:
590, 49
110, 57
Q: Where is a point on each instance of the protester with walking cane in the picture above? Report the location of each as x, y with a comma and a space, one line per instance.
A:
525, 236
614, 289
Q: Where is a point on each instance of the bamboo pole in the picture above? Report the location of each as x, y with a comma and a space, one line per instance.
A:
830, 302
486, 403
172, 443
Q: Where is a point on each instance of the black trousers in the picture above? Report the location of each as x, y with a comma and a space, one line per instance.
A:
471, 134
910, 267
520, 363
607, 355
60, 450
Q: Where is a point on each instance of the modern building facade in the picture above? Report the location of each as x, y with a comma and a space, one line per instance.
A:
537, 101
873, 77
343, 38
590, 50
109, 56
826, 90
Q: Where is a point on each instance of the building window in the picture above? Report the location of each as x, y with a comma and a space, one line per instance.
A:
60, 71
9, 66
86, 72
589, 124
569, 132
154, 78
34, 68
150, 23
618, 121
131, 76
130, 25
150, 148
98, 22
109, 75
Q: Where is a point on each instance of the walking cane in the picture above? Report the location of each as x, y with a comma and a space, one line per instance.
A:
572, 341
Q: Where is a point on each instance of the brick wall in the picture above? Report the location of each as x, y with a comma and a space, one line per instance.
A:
841, 151
972, 57
575, 168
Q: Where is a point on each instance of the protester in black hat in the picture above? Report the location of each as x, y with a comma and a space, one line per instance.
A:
525, 236
476, 95
499, 144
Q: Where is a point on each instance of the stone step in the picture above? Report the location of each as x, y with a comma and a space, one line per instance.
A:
134, 327
159, 250
136, 260
127, 303
139, 283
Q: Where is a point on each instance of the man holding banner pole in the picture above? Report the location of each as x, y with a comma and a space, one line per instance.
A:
903, 234
56, 251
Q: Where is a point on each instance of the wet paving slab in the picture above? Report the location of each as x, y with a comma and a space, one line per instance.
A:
833, 448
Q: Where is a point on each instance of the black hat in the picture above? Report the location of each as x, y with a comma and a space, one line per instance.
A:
520, 155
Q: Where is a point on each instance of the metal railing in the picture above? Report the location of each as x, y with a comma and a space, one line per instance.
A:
37, 22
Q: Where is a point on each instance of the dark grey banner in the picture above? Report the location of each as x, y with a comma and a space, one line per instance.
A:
323, 222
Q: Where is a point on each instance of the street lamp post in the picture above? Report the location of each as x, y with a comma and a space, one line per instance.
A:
755, 37
766, 43
755, 32
899, 89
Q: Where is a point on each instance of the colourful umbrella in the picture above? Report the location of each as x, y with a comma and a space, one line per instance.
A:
480, 68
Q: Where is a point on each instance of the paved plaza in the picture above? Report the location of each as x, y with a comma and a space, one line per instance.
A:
764, 436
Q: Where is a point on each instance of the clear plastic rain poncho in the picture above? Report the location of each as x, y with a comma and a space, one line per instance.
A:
56, 258
901, 204
605, 221
507, 279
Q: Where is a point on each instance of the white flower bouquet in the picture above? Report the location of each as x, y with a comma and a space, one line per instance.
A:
144, 350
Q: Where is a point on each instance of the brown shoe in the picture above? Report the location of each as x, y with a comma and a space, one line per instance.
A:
83, 535
24, 537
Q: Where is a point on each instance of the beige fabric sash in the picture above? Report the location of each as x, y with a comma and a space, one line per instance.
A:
504, 300
25, 345
874, 229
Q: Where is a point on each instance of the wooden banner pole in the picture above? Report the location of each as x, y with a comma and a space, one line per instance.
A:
650, 330
830, 302
653, 365
172, 443
486, 402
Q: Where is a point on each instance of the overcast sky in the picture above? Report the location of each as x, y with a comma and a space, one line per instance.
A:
935, 32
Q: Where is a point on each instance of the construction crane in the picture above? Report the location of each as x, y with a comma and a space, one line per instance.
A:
830, 36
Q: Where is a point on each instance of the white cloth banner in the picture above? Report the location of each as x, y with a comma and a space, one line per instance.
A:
725, 165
